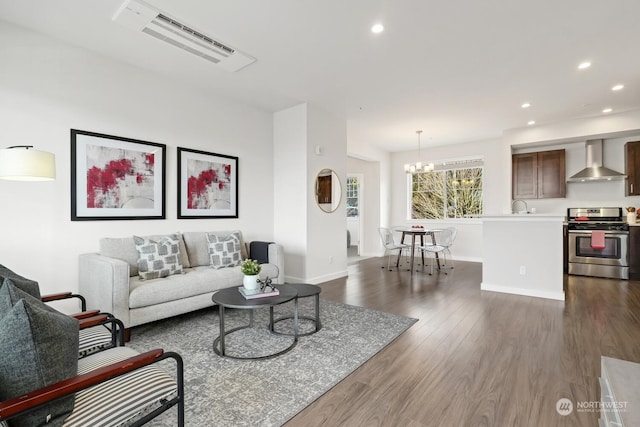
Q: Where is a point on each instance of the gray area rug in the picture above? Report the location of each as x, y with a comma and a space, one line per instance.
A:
269, 392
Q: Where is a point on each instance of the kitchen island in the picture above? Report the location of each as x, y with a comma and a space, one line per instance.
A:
522, 254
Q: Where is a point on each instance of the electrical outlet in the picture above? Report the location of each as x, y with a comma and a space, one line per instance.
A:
331, 260
523, 270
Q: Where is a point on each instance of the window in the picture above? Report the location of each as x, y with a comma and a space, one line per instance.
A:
452, 190
353, 190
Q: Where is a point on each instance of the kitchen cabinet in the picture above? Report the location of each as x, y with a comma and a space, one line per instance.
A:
634, 252
632, 162
565, 248
539, 175
324, 189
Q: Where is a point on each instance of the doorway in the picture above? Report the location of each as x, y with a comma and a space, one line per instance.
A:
354, 217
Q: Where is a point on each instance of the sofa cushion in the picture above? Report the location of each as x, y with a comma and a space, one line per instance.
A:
159, 258
43, 350
198, 246
124, 248
195, 281
224, 251
27, 285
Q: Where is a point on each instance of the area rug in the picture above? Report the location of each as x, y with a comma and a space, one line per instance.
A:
268, 392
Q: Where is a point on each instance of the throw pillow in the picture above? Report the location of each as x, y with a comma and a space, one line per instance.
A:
224, 251
10, 294
27, 285
158, 258
40, 348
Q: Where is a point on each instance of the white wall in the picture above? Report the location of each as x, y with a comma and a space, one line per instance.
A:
47, 88
290, 188
326, 236
315, 241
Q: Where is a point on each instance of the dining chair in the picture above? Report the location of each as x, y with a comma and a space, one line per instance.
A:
390, 245
438, 244
448, 243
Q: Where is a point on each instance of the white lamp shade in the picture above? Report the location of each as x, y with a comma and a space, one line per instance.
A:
24, 164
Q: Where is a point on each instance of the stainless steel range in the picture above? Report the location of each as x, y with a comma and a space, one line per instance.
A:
598, 242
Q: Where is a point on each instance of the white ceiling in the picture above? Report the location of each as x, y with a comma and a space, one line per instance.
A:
459, 70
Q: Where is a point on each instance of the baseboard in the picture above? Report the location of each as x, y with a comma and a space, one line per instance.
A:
559, 296
316, 280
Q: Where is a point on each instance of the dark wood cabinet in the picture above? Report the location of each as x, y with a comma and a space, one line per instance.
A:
324, 189
539, 175
632, 162
565, 248
634, 253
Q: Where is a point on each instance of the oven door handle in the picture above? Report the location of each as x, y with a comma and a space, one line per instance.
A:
606, 233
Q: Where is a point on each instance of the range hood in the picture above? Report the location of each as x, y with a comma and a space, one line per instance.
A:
595, 170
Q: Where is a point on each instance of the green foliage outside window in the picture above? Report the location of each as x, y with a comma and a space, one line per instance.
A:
455, 193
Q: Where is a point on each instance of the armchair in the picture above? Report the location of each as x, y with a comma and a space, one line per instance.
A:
108, 390
101, 330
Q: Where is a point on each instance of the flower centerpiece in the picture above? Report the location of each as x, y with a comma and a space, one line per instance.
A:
250, 268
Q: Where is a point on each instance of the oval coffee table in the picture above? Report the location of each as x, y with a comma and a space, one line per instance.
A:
232, 298
304, 290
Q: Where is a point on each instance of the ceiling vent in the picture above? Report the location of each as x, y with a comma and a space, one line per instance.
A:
139, 16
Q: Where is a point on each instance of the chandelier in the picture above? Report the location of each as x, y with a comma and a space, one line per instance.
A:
418, 166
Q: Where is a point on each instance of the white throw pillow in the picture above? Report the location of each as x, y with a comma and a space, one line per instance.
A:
158, 259
224, 251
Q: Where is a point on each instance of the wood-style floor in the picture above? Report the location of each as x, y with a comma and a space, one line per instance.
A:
478, 358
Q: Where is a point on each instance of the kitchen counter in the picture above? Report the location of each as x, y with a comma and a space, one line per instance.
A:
522, 254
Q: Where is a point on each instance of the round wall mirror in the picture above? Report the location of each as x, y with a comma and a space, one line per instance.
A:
328, 190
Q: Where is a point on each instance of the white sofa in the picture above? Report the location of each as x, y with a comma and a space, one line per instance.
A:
109, 279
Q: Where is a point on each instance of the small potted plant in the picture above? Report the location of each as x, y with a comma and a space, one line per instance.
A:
250, 268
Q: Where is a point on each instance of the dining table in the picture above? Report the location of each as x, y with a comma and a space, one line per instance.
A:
416, 232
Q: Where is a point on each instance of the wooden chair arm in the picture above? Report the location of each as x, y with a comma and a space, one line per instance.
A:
93, 321
43, 395
65, 295
55, 297
85, 314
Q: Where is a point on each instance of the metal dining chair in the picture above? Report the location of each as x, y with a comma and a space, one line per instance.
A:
390, 245
439, 242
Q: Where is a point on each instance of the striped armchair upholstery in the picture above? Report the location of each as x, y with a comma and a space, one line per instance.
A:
114, 387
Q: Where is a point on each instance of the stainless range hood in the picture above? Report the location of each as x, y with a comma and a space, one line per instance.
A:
595, 170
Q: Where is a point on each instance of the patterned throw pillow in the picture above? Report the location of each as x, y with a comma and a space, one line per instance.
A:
158, 259
224, 251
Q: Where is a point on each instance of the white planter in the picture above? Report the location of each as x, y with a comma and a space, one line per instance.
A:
250, 283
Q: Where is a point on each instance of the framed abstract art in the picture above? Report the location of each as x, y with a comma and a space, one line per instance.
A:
207, 185
116, 178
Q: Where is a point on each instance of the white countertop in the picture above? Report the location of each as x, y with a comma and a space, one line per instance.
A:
525, 217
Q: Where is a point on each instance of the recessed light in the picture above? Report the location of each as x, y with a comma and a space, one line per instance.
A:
531, 122
526, 105
377, 28
607, 110
584, 65
618, 87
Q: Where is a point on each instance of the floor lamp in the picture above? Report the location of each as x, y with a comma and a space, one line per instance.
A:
23, 163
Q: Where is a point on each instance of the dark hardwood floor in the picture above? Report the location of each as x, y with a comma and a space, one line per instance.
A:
478, 358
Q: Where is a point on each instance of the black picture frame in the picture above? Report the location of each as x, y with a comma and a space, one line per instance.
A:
207, 184
116, 178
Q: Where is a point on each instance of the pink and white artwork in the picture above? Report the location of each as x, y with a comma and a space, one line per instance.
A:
208, 185
113, 177
119, 178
